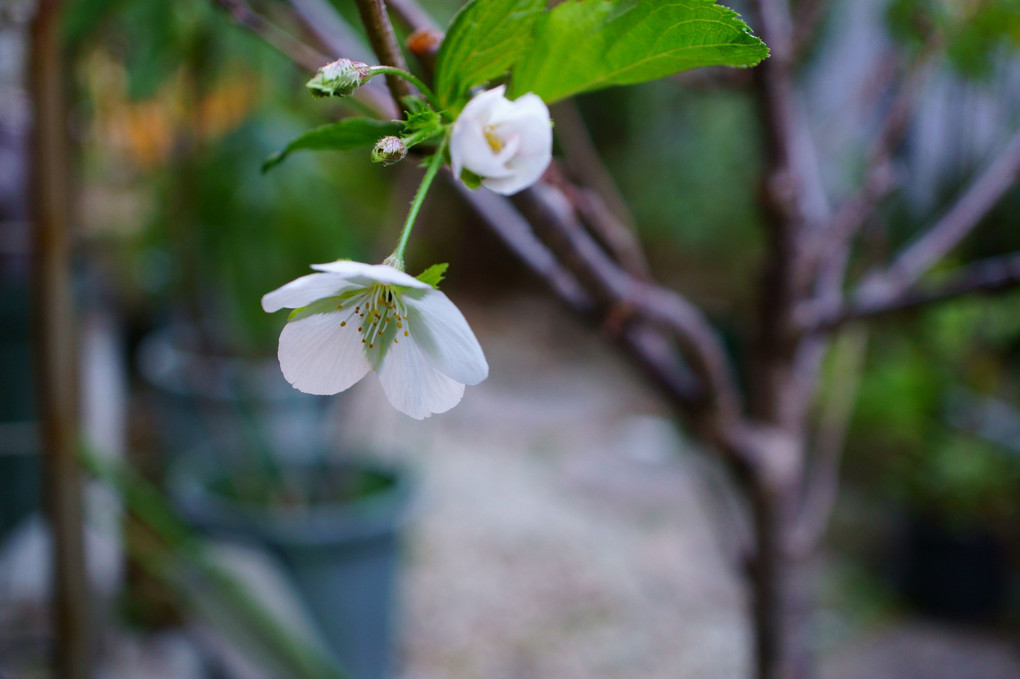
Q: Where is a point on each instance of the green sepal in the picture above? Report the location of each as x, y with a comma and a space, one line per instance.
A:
433, 275
470, 179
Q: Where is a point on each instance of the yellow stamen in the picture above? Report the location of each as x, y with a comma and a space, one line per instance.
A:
495, 143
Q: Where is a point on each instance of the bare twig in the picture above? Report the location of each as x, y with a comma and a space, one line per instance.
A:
822, 483
616, 237
583, 161
807, 18
600, 205
649, 348
413, 16
979, 198
621, 296
795, 204
290, 47
322, 20
384, 43
301, 54
992, 275
797, 188
879, 177
517, 235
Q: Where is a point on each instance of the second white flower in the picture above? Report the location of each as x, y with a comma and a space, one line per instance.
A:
508, 144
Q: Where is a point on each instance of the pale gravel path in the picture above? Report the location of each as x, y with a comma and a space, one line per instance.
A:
559, 533
564, 531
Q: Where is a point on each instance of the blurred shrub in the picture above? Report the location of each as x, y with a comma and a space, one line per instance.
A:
973, 32
904, 438
182, 108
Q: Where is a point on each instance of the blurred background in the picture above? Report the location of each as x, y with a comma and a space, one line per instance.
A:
558, 523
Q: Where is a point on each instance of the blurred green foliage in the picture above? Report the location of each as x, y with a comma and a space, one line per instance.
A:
972, 32
688, 163
901, 438
184, 107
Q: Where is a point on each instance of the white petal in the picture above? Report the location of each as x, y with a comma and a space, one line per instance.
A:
318, 356
528, 169
470, 149
305, 290
365, 274
527, 110
445, 338
413, 386
524, 127
484, 104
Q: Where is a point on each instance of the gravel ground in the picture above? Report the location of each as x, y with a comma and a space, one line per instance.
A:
559, 534
564, 530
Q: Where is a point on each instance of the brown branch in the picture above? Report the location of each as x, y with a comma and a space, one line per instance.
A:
807, 18
795, 204
797, 183
650, 350
413, 16
321, 20
584, 163
516, 234
384, 44
621, 296
300, 53
926, 250
879, 177
56, 370
992, 275
598, 200
295, 50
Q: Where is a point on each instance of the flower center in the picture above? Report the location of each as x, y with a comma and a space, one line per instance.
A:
495, 143
380, 314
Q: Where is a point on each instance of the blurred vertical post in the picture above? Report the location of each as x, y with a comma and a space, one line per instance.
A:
56, 352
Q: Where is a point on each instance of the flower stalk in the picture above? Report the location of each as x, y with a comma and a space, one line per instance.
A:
409, 77
435, 162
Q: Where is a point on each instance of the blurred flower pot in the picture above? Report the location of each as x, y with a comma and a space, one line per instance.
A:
19, 473
19, 447
335, 524
956, 571
202, 396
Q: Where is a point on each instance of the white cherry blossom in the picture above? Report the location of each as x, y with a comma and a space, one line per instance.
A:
508, 144
353, 317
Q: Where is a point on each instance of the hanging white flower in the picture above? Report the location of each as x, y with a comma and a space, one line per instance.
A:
354, 317
508, 144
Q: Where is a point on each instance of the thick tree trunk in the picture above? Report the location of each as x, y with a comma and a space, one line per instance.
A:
783, 595
781, 587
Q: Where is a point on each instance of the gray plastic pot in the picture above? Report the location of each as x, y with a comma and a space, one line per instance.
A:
204, 397
20, 474
343, 557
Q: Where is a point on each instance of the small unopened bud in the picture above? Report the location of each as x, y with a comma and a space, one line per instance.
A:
389, 150
339, 78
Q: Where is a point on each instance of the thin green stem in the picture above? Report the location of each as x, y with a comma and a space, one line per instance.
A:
435, 163
409, 77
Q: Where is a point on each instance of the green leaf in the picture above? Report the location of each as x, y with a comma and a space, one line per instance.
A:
433, 275
485, 39
585, 45
345, 135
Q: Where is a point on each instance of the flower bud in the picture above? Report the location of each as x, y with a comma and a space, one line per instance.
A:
389, 150
339, 78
